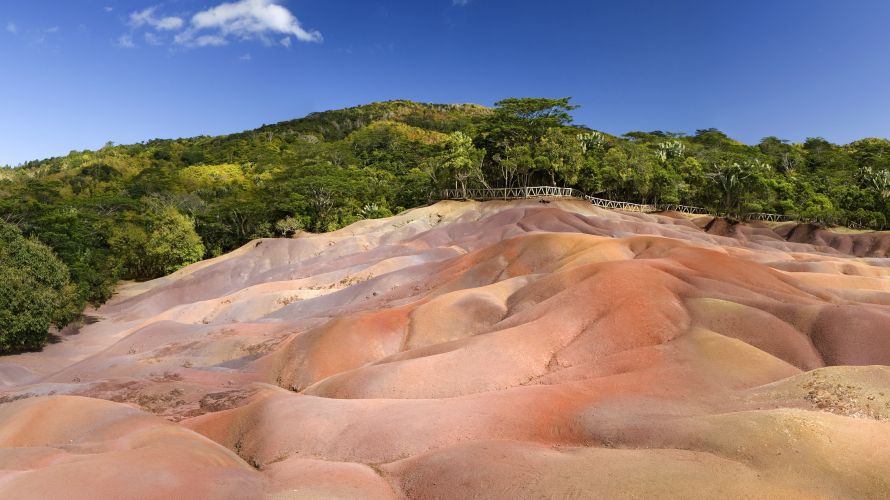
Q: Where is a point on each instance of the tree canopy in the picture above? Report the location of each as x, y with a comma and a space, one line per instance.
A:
35, 293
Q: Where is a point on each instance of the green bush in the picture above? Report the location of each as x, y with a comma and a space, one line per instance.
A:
36, 292
162, 242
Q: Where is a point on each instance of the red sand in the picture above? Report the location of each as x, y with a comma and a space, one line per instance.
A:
496, 350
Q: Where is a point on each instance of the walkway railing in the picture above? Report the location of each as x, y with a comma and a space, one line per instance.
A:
517, 193
511, 193
770, 217
686, 209
621, 205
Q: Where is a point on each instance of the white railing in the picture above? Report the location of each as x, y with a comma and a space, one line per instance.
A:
516, 193
513, 193
621, 205
770, 217
686, 209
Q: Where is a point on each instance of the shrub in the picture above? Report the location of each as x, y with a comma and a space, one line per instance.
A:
36, 292
165, 242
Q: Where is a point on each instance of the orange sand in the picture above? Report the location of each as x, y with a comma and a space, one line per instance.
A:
492, 350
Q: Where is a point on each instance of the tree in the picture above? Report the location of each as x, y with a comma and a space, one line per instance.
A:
616, 173
873, 153
876, 181
515, 131
533, 116
173, 242
560, 156
734, 180
462, 161
713, 138
156, 244
35, 292
289, 226
786, 157
78, 235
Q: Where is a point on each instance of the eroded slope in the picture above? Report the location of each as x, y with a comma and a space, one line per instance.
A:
505, 350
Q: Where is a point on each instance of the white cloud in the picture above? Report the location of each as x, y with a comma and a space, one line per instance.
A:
170, 23
209, 41
152, 39
459, 3
249, 19
11, 27
262, 20
108, 8
245, 57
147, 18
126, 42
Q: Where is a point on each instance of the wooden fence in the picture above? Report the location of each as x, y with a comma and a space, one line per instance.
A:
516, 193
621, 205
686, 209
519, 193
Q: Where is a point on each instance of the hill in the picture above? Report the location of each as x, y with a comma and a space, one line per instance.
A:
319, 173
140, 211
499, 349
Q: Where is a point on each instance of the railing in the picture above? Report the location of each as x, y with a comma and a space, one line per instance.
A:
686, 209
563, 192
771, 217
511, 193
621, 205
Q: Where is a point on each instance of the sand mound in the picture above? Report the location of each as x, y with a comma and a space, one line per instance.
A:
855, 243
499, 349
74, 447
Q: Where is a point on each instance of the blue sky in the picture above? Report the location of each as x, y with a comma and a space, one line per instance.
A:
78, 73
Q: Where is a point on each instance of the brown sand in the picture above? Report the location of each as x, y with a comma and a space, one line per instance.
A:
491, 350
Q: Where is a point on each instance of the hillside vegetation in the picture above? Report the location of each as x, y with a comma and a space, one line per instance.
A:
143, 210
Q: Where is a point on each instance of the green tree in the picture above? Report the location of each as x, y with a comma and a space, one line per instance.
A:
735, 182
462, 162
35, 292
514, 132
157, 243
787, 158
560, 156
288, 226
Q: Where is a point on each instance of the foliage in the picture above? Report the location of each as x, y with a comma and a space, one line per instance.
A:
156, 243
35, 292
289, 226
462, 162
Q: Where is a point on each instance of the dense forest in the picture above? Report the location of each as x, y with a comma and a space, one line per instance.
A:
140, 211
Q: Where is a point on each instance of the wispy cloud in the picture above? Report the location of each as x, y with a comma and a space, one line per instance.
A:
152, 38
147, 17
208, 41
32, 35
459, 3
125, 41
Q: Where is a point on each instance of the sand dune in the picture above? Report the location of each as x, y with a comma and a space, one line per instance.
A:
492, 350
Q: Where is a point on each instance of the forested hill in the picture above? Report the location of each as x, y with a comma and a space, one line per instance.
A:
143, 210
